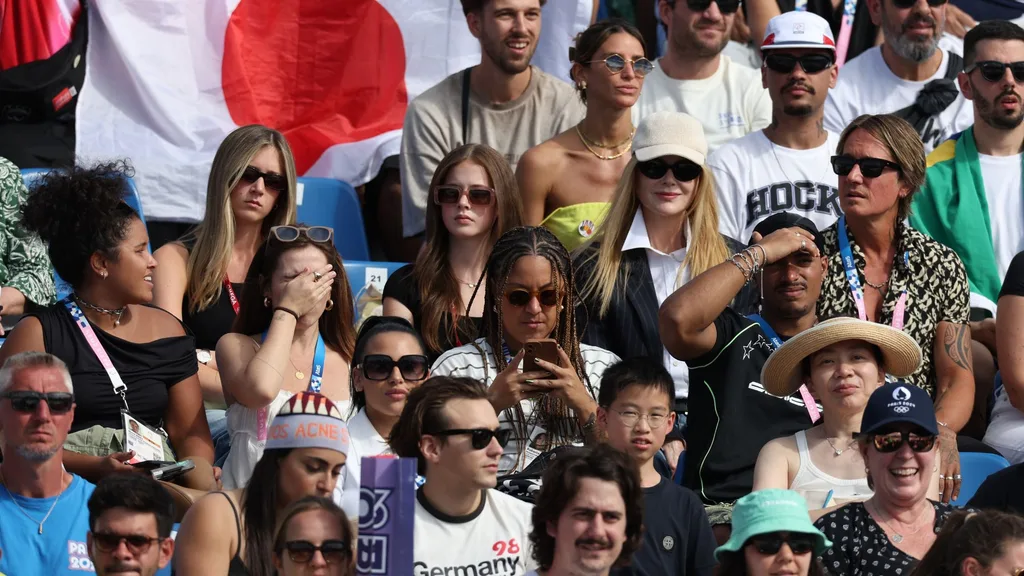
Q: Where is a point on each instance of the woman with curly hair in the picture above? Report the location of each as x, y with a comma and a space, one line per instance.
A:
531, 295
987, 543
125, 356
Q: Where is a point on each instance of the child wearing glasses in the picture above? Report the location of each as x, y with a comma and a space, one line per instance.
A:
293, 334
636, 414
530, 295
389, 362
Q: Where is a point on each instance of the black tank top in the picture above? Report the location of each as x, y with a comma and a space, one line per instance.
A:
237, 566
209, 324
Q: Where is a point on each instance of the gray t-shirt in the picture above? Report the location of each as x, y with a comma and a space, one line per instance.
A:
433, 128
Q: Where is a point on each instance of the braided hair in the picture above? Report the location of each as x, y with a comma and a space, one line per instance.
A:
561, 425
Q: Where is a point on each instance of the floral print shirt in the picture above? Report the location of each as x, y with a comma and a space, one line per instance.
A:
24, 263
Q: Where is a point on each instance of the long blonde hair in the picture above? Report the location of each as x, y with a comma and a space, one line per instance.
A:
706, 248
215, 236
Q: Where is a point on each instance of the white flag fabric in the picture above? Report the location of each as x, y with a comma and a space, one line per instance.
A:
167, 80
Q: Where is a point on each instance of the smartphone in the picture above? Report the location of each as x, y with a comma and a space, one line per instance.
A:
174, 470
545, 349
151, 465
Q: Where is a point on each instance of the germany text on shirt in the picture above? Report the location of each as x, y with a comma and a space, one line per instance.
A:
495, 539
755, 178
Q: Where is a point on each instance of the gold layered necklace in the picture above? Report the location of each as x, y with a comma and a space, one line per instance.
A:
589, 145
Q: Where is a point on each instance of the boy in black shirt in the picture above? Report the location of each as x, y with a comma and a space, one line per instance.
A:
635, 410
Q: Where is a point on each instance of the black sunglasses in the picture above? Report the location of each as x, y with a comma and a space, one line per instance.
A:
810, 63
768, 544
27, 402
893, 441
319, 234
682, 171
725, 7
520, 297
109, 541
995, 71
617, 63
450, 194
904, 4
272, 181
333, 551
869, 167
378, 367
481, 437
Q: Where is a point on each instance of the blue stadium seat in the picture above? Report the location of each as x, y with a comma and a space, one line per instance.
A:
327, 202
975, 467
361, 273
30, 175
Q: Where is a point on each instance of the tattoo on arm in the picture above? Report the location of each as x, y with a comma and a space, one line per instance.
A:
958, 345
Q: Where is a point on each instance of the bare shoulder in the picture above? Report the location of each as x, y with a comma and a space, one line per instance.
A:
210, 515
548, 154
160, 322
782, 447
171, 254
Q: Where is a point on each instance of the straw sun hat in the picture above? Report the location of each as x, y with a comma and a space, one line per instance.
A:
782, 373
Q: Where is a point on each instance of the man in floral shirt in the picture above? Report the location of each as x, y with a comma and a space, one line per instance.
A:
26, 278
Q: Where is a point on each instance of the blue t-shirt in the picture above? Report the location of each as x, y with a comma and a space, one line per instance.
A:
60, 550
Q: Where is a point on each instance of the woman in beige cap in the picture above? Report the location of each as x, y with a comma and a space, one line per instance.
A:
842, 361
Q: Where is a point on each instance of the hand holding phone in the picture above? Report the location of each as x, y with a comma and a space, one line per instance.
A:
545, 349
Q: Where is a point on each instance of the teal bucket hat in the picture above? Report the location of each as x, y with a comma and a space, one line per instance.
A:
767, 511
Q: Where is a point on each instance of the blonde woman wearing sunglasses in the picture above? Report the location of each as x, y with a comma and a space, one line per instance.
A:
294, 333
568, 181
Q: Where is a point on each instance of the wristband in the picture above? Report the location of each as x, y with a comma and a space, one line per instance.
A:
288, 310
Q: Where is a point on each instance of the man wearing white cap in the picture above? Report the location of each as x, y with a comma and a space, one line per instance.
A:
785, 167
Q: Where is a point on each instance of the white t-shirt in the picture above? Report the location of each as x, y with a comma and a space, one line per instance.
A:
755, 178
668, 274
867, 86
1002, 178
493, 540
364, 441
465, 361
729, 104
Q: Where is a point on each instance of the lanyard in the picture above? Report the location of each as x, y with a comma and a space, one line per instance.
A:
231, 294
315, 379
90, 336
854, 280
805, 394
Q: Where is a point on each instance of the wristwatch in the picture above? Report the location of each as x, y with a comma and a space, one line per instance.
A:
203, 356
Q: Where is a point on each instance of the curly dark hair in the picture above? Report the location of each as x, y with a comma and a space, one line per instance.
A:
983, 536
561, 483
78, 212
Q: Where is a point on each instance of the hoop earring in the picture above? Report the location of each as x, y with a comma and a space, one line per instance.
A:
266, 301
330, 304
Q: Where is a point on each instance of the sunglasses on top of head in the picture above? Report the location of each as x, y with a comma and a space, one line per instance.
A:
810, 63
277, 182
682, 171
480, 437
333, 551
319, 234
617, 63
27, 401
414, 367
769, 544
451, 194
521, 297
995, 71
887, 443
869, 167
724, 6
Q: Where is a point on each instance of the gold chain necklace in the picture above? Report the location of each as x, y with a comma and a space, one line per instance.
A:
628, 143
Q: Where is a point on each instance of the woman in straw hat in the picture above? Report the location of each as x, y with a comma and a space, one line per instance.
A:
771, 534
842, 361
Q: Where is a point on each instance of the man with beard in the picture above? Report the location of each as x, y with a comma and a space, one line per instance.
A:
909, 75
731, 416
785, 167
589, 514
130, 519
971, 200
696, 78
503, 102
43, 518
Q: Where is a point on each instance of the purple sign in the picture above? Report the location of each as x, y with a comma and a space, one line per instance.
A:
387, 507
